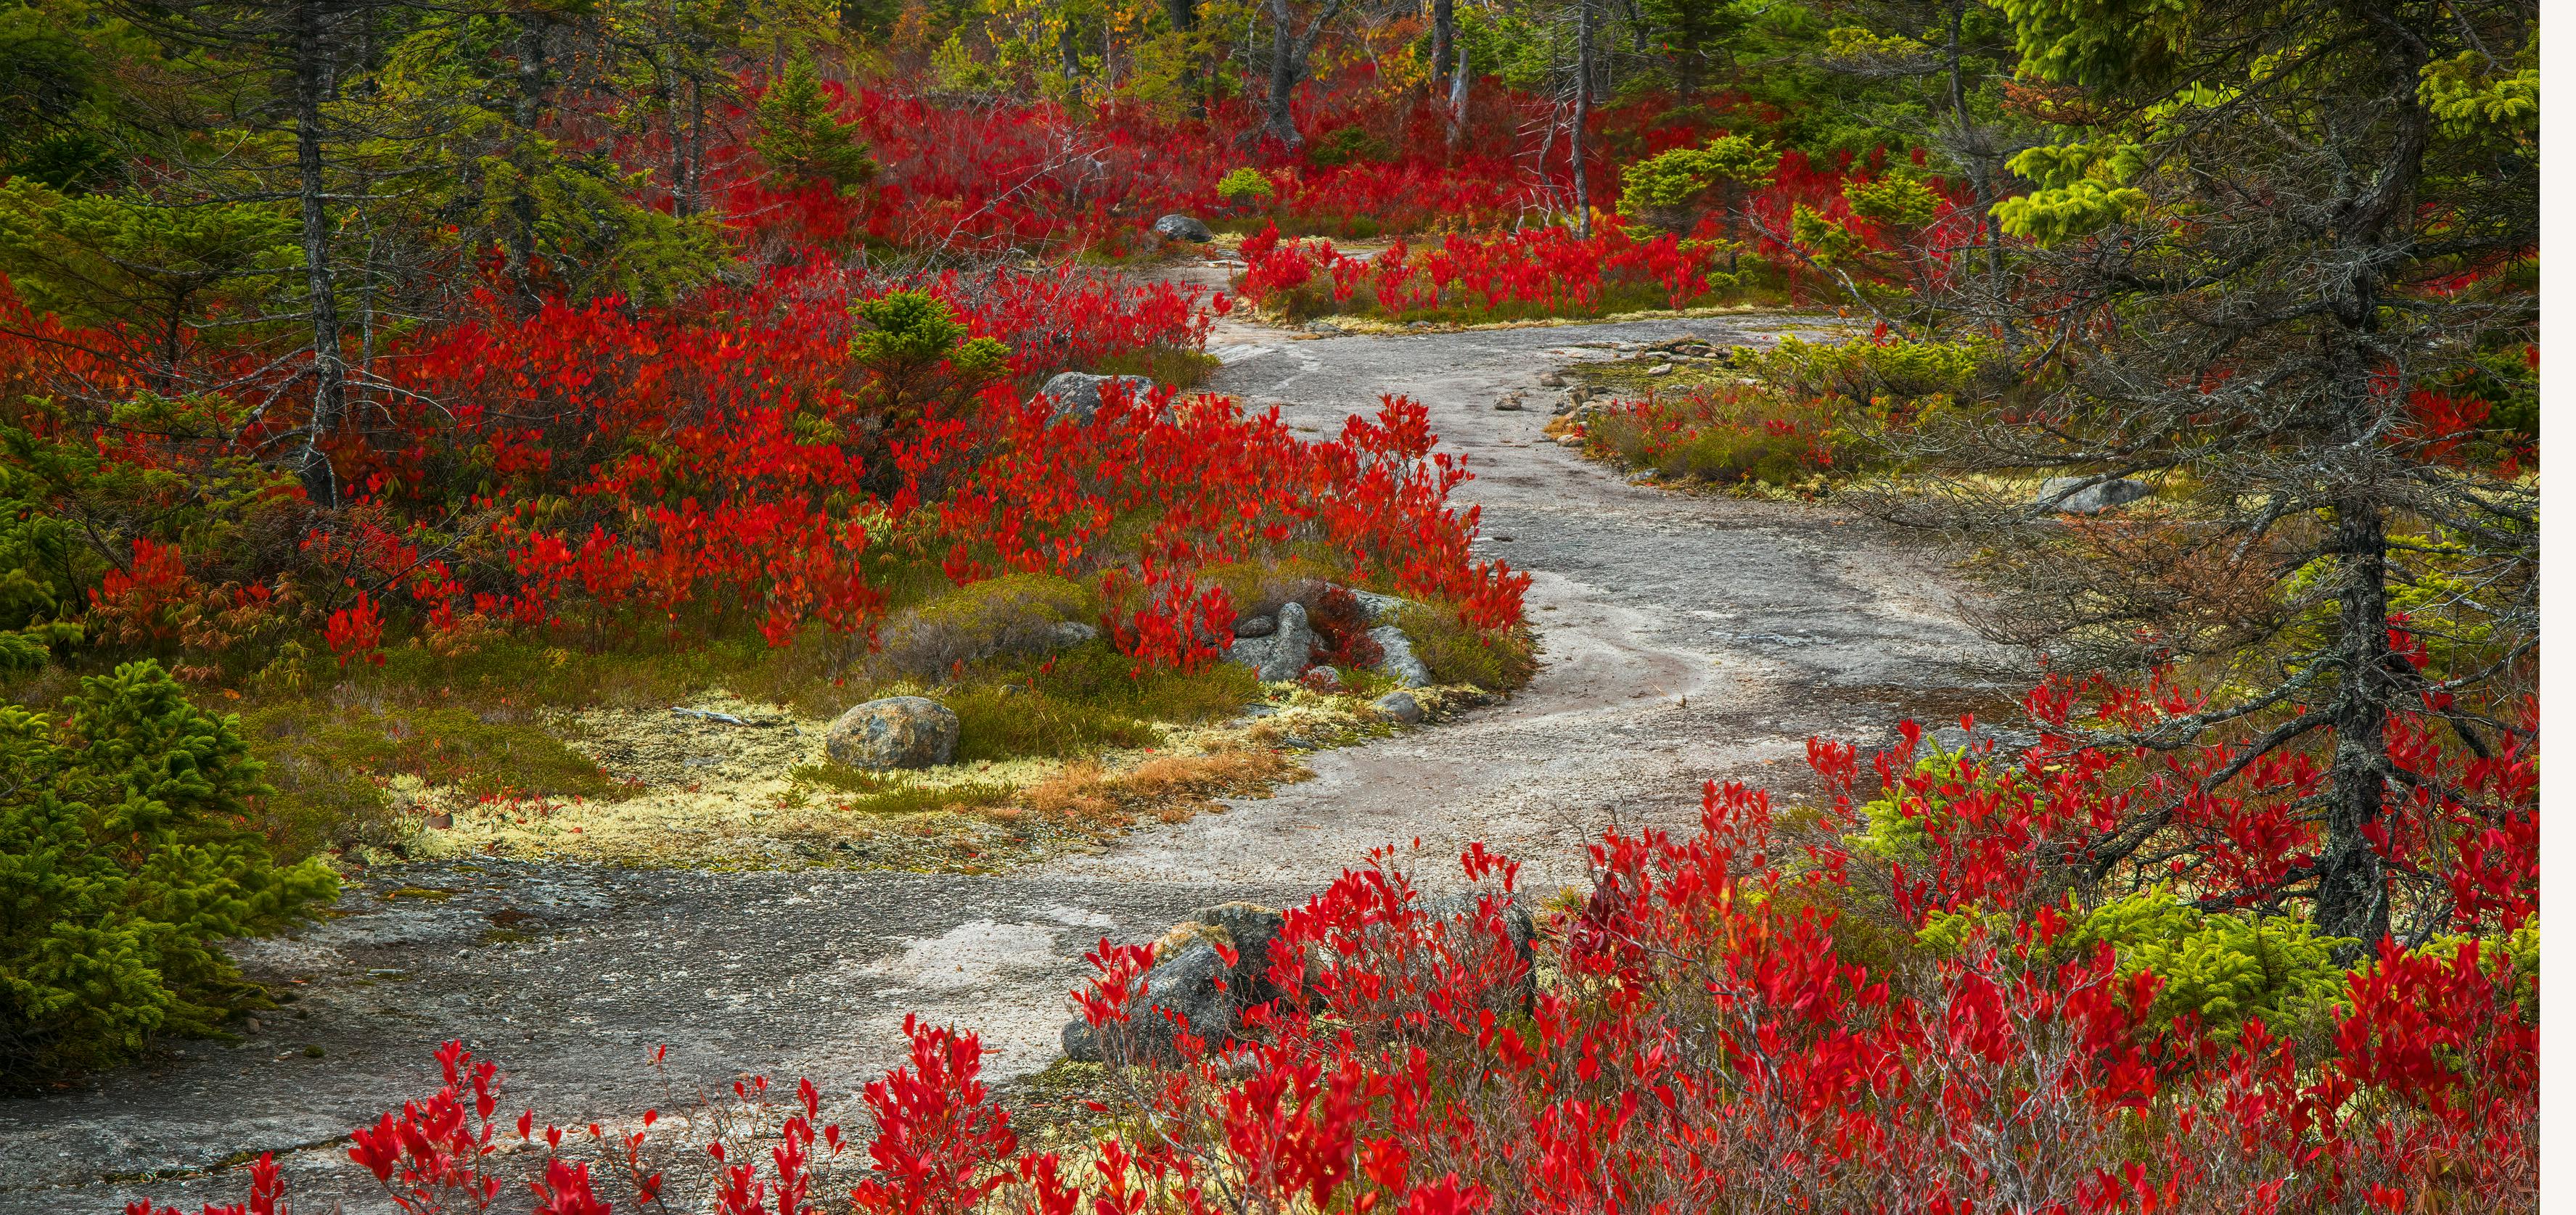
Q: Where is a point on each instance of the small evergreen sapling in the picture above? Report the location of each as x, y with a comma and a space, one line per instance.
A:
124, 858
802, 140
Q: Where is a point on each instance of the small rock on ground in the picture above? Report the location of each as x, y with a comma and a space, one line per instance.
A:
1183, 227
2093, 499
896, 732
1180, 993
1285, 653
1192, 981
1381, 608
1399, 707
1400, 661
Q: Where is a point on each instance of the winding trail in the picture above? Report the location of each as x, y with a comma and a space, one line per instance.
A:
1685, 638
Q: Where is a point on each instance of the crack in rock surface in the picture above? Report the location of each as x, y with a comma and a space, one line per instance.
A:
1685, 638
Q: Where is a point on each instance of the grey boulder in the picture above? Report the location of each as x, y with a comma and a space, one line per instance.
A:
1248, 929
2092, 499
1285, 653
897, 732
1182, 227
1190, 988
1380, 607
1400, 662
1181, 993
1077, 394
1399, 707
1256, 626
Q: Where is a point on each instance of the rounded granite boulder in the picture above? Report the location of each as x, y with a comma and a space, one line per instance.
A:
897, 732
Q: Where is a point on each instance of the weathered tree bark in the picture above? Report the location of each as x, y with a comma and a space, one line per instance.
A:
1290, 48
1458, 102
2352, 890
1582, 115
313, 78
1444, 34
1287, 67
518, 245
696, 161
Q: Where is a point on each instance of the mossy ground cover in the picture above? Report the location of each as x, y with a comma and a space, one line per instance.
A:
710, 751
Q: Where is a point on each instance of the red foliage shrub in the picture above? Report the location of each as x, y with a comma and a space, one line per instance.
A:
1731, 1020
725, 458
1343, 622
1018, 175
1545, 271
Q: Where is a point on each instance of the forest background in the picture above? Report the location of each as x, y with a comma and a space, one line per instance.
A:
364, 361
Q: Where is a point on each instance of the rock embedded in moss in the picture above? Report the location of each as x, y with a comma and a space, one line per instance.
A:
897, 732
1400, 663
1285, 653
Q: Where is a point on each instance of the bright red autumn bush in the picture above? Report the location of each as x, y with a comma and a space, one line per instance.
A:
1891, 1002
1545, 271
1024, 175
598, 468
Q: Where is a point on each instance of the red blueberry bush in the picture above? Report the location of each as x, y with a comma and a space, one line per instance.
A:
1025, 174
601, 469
1544, 271
1897, 1000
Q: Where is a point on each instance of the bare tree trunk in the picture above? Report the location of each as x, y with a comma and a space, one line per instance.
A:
1287, 67
518, 250
2352, 890
667, 86
1458, 103
695, 161
1582, 115
313, 80
1444, 34
1981, 170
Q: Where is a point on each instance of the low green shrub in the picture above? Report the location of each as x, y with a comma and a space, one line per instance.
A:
1725, 433
889, 794
1497, 660
1884, 374
1015, 614
1006, 722
1246, 185
123, 861
2223, 969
